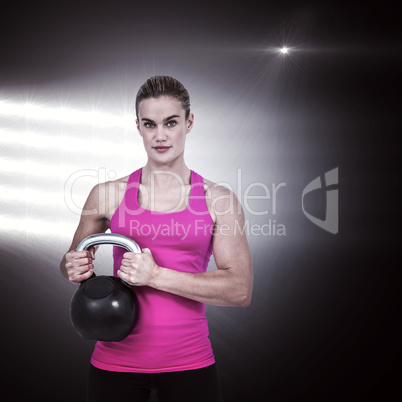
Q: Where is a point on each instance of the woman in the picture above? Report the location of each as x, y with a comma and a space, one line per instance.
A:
178, 219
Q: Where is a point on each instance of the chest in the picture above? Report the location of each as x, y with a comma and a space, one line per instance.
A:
164, 199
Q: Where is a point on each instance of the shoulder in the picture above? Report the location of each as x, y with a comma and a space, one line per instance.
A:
110, 186
104, 198
216, 189
221, 200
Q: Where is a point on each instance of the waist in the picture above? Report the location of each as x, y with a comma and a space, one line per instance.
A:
158, 308
164, 339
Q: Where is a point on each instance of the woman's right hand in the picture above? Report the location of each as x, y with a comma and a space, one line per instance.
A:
79, 265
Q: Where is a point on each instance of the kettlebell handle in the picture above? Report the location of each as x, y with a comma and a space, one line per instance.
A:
109, 238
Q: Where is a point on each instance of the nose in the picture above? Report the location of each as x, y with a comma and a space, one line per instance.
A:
160, 134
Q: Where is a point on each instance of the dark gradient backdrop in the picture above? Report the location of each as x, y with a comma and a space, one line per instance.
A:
322, 325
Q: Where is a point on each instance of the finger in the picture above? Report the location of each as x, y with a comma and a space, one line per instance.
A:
126, 263
146, 252
79, 277
81, 262
79, 259
80, 254
123, 268
128, 255
123, 275
75, 267
127, 268
92, 251
133, 258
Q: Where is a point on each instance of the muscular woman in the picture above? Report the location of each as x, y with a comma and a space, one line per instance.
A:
179, 219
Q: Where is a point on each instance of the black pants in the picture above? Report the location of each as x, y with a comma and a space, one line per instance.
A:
201, 385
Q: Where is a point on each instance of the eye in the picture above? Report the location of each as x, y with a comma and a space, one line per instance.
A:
171, 123
148, 125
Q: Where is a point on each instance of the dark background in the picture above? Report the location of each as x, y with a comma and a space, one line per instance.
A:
324, 321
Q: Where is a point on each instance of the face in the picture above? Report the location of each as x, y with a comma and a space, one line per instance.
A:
163, 128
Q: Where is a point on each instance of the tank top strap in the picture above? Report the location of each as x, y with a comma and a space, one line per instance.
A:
197, 194
131, 193
135, 178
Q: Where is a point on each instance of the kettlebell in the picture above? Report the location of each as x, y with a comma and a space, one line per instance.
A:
104, 308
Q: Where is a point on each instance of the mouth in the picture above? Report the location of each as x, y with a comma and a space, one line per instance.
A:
161, 149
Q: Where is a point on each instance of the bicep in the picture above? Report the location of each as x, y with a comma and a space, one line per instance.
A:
230, 246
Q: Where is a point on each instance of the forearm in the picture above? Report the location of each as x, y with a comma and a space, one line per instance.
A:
218, 287
63, 269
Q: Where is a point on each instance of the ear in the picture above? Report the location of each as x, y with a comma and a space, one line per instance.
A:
190, 123
138, 126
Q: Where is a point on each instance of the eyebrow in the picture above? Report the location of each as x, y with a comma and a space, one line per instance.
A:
167, 118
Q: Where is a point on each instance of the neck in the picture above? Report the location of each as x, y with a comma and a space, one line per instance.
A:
165, 174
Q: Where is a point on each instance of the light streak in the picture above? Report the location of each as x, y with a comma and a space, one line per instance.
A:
67, 143
36, 226
34, 168
31, 196
65, 115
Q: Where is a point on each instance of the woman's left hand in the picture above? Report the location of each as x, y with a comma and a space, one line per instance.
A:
138, 269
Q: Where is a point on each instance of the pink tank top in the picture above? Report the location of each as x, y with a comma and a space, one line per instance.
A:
171, 333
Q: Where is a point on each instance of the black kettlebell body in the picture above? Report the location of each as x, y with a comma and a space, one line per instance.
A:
104, 308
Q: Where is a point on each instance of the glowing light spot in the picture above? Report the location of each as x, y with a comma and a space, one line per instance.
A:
284, 50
